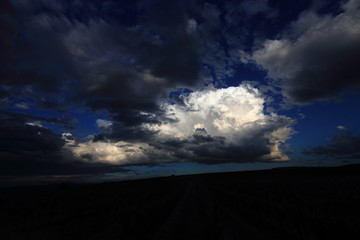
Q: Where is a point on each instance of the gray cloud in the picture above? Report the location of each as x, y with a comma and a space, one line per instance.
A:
344, 145
129, 68
317, 57
99, 61
254, 7
28, 147
67, 123
204, 148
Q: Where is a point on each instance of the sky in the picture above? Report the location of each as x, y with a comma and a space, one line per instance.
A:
94, 91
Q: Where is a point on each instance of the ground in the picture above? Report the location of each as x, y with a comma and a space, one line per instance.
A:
293, 203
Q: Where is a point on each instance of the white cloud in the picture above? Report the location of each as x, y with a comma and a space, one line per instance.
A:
117, 153
22, 105
234, 113
222, 112
35, 124
219, 125
68, 138
340, 127
103, 124
191, 26
113, 153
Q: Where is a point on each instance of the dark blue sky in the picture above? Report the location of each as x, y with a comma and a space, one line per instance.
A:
104, 90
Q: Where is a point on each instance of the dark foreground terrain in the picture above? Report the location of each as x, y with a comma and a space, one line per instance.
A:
300, 203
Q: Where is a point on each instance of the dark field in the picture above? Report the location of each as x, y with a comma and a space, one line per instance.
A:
299, 203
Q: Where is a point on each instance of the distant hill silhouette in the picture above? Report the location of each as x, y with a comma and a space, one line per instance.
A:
291, 203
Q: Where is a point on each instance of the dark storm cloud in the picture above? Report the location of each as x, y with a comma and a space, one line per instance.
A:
253, 7
35, 66
26, 147
67, 123
317, 57
177, 57
33, 53
127, 69
344, 145
8, 31
214, 150
129, 133
255, 147
203, 148
217, 153
31, 149
200, 135
81, 53
214, 55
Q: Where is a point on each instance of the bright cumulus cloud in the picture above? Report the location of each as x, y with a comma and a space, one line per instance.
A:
123, 153
210, 125
221, 112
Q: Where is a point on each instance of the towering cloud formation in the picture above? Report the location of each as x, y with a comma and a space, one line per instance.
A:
211, 126
222, 112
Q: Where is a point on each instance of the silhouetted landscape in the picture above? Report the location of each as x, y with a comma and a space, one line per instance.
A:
296, 203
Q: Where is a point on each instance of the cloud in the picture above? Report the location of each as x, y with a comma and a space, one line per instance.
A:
211, 126
27, 147
340, 127
231, 124
111, 152
34, 63
222, 112
104, 124
105, 46
344, 145
254, 7
65, 122
22, 105
213, 53
35, 124
127, 69
124, 59
97, 60
102, 58
317, 57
